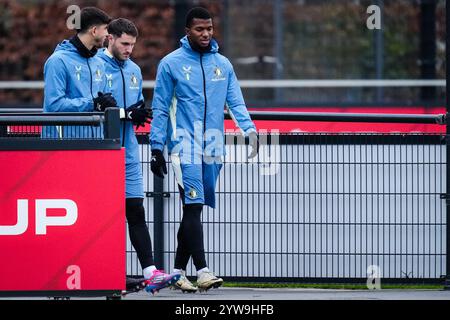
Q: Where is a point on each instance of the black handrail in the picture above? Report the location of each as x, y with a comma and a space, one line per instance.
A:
110, 119
50, 119
347, 117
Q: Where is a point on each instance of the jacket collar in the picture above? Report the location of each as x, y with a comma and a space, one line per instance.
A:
82, 50
213, 46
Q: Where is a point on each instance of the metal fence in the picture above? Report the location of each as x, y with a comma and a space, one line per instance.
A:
316, 207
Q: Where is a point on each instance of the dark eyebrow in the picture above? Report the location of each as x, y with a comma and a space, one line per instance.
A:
200, 27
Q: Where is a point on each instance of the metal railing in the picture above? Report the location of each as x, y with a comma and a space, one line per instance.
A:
347, 117
291, 83
34, 130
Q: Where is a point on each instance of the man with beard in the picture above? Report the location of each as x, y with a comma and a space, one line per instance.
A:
124, 81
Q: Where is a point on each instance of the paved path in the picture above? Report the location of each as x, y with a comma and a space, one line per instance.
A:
229, 294
294, 294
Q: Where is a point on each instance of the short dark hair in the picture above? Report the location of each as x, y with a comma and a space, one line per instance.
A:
92, 16
196, 13
121, 25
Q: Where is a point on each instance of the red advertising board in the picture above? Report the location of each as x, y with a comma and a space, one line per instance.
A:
62, 220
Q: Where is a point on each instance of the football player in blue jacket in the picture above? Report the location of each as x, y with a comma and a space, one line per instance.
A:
74, 75
124, 82
193, 86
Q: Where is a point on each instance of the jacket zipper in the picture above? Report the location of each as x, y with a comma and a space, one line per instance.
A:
124, 104
92, 95
90, 74
206, 100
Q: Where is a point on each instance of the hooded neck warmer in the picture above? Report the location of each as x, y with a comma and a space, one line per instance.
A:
82, 50
199, 49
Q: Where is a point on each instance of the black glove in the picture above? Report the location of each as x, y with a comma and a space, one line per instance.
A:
253, 141
158, 163
103, 101
139, 114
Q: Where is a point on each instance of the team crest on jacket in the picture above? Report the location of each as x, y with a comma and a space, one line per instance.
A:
218, 74
78, 72
98, 75
187, 72
134, 82
109, 79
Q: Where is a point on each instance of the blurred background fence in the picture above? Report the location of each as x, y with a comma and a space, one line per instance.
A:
264, 39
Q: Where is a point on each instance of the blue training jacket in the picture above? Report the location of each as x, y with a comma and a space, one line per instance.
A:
124, 81
71, 84
190, 94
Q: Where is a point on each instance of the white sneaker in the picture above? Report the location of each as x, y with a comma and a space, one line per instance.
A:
184, 284
207, 280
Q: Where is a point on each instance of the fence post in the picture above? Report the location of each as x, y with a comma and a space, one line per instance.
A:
112, 124
447, 91
158, 221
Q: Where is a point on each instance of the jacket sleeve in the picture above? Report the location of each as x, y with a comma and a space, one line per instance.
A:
55, 99
236, 105
162, 99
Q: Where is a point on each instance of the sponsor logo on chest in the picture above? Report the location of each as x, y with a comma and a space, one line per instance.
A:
187, 70
109, 79
78, 72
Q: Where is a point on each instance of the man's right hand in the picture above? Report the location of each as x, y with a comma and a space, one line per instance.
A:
158, 163
103, 101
